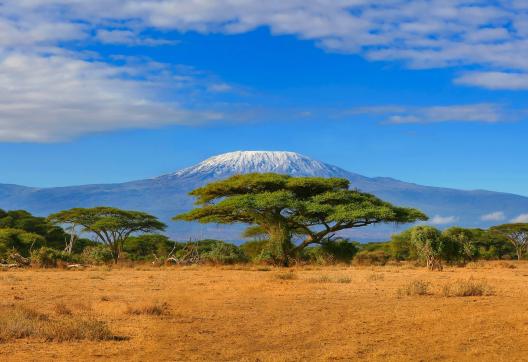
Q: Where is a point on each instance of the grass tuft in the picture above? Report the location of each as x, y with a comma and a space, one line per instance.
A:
467, 288
20, 322
416, 287
152, 309
374, 277
286, 276
320, 279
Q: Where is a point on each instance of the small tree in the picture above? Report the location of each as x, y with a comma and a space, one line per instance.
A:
21, 241
429, 245
313, 208
111, 226
463, 241
517, 235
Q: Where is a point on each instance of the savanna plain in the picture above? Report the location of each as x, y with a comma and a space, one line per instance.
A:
252, 313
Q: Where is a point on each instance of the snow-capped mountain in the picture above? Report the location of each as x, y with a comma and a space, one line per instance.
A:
241, 162
167, 195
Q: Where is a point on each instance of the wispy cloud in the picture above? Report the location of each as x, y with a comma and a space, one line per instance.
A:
494, 216
443, 220
495, 80
523, 218
489, 36
480, 112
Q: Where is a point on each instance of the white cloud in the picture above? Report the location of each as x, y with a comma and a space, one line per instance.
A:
453, 32
70, 95
521, 219
443, 220
494, 216
128, 37
495, 80
480, 112
52, 98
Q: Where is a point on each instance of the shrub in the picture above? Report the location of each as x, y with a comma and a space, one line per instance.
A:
376, 257
224, 253
144, 247
331, 252
253, 249
48, 258
416, 287
99, 254
467, 288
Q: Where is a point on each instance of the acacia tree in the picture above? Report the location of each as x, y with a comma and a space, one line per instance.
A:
429, 245
517, 235
110, 225
310, 207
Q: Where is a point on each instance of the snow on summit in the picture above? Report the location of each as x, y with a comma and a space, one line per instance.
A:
240, 162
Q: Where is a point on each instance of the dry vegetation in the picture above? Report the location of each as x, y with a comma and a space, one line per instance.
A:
251, 313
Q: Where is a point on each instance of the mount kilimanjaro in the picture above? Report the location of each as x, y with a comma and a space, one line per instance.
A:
166, 196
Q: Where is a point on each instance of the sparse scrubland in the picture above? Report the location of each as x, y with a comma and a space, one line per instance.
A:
103, 283
246, 312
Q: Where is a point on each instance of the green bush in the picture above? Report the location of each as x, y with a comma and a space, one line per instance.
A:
48, 258
224, 253
145, 247
253, 249
376, 257
98, 254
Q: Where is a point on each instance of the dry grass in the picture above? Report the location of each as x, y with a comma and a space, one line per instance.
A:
286, 276
375, 277
326, 313
154, 309
320, 279
416, 287
21, 322
467, 288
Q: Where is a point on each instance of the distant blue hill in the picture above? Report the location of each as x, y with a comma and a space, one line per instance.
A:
166, 196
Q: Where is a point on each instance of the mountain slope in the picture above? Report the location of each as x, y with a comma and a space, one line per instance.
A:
166, 195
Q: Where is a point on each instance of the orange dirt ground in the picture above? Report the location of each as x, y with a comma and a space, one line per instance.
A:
264, 314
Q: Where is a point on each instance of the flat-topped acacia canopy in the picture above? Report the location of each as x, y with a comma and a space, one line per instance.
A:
313, 207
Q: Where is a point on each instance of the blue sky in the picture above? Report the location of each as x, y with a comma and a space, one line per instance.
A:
374, 87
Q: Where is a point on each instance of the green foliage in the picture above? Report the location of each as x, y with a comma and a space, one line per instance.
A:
110, 225
224, 253
430, 245
254, 249
463, 244
48, 258
401, 247
147, 247
19, 240
330, 252
22, 220
284, 206
98, 254
516, 234
371, 257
